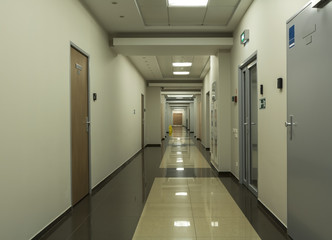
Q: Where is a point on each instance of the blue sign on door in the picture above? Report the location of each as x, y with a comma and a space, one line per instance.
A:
291, 36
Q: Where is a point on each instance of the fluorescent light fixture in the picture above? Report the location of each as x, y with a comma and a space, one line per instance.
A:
187, 3
181, 194
179, 153
179, 161
180, 169
179, 138
182, 64
214, 224
182, 224
178, 96
181, 73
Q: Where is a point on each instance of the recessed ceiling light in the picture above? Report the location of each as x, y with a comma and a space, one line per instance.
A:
182, 64
181, 224
187, 3
122, 16
114, 3
183, 96
181, 73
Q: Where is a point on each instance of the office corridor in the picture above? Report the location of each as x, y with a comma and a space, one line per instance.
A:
168, 192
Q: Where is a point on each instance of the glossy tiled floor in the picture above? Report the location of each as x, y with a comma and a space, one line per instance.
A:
168, 193
190, 208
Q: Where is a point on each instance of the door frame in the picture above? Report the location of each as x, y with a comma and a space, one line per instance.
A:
241, 92
142, 121
73, 45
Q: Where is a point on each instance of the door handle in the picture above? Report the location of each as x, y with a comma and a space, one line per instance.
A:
87, 122
290, 124
253, 124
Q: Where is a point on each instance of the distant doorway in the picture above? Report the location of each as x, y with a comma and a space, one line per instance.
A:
177, 119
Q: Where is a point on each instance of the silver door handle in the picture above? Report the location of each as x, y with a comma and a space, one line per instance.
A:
290, 124
87, 122
245, 124
253, 124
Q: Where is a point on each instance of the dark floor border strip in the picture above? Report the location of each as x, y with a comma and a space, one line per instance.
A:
275, 220
153, 145
52, 224
100, 185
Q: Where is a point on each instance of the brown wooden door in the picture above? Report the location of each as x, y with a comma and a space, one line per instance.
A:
177, 118
79, 127
142, 120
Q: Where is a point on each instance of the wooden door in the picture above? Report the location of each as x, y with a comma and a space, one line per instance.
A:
79, 126
177, 118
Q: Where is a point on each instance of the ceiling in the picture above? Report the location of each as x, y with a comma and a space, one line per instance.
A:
154, 35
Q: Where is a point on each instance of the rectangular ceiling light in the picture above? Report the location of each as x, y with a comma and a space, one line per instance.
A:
181, 73
182, 64
180, 96
187, 3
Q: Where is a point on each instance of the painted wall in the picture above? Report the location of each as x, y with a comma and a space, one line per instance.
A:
153, 115
219, 73
266, 21
192, 118
35, 110
206, 116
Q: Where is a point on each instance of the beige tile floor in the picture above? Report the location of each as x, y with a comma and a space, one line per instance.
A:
182, 153
192, 208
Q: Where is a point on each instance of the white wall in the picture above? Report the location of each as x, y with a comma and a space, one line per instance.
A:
266, 21
35, 109
153, 115
197, 116
192, 118
206, 131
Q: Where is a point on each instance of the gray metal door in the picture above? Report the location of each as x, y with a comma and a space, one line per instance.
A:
249, 135
309, 167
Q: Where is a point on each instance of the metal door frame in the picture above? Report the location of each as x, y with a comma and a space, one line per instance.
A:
243, 166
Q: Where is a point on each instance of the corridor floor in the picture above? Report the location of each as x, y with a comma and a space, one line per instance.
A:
168, 193
190, 208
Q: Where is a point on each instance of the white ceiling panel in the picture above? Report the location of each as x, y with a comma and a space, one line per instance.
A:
154, 16
186, 16
218, 16
223, 3
161, 3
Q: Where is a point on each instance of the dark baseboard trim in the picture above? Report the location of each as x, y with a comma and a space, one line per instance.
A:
100, 185
153, 145
226, 174
271, 215
52, 224
207, 149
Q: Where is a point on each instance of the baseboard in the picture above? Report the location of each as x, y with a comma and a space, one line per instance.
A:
271, 215
226, 174
153, 145
52, 224
100, 185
